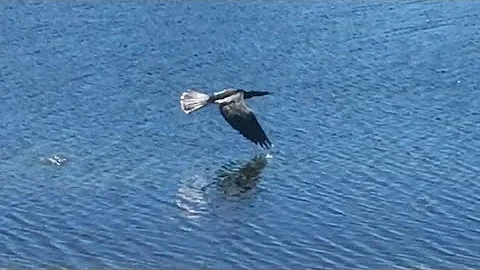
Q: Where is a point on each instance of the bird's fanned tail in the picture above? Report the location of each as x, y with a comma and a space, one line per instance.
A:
191, 101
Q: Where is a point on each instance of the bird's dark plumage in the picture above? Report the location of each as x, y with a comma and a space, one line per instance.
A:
241, 118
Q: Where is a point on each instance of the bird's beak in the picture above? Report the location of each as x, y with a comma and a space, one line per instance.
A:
260, 93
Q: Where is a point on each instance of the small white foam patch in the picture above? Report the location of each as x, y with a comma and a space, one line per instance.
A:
55, 160
269, 155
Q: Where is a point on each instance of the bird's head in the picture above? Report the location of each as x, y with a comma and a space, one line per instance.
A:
250, 94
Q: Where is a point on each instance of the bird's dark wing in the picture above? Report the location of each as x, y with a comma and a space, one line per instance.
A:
241, 118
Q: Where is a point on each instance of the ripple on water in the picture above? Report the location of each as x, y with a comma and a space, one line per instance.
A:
376, 143
190, 196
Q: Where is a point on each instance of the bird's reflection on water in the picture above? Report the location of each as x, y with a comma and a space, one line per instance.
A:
236, 178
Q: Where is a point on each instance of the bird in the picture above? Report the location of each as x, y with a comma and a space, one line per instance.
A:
231, 103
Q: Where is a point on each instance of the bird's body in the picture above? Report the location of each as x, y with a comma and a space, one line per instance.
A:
233, 108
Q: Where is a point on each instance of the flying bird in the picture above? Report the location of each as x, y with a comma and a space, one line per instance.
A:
233, 108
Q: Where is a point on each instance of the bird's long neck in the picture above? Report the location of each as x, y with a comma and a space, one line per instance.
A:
250, 94
227, 97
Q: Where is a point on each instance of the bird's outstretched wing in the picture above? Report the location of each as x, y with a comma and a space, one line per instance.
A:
241, 118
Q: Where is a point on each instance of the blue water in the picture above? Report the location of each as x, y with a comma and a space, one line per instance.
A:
374, 117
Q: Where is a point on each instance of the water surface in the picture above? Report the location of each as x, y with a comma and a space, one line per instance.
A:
374, 117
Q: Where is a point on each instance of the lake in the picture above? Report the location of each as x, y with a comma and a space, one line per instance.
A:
373, 116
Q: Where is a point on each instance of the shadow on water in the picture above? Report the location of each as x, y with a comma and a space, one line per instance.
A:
236, 178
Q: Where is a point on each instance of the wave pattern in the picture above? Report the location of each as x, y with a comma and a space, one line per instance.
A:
374, 118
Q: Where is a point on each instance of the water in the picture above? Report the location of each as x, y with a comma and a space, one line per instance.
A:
374, 117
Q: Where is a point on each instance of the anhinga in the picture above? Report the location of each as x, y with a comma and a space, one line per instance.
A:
233, 108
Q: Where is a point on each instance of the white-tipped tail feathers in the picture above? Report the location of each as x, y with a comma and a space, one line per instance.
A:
191, 101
